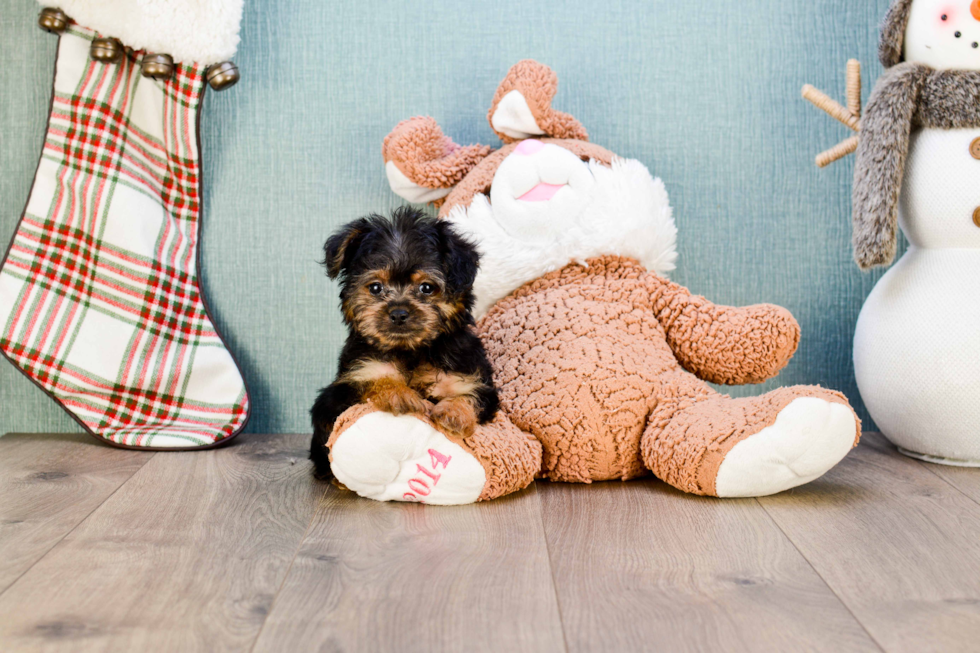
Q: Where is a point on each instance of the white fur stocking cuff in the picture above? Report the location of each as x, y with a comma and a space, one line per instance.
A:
191, 31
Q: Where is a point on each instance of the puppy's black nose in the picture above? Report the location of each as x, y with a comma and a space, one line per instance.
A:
398, 316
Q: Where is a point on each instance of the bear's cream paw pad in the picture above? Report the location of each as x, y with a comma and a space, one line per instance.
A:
389, 458
808, 438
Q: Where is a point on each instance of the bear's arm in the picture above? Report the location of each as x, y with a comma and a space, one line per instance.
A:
723, 344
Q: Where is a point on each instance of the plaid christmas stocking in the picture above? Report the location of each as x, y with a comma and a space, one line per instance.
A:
99, 297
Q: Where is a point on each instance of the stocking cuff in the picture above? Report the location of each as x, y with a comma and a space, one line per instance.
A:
191, 31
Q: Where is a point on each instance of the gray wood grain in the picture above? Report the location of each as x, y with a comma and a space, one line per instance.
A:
396, 577
227, 549
640, 566
186, 556
48, 485
964, 479
897, 544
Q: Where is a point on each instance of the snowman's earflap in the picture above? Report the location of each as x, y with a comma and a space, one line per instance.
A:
893, 33
522, 106
423, 164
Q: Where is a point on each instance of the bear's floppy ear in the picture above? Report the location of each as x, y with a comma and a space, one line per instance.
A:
462, 260
522, 106
339, 250
423, 164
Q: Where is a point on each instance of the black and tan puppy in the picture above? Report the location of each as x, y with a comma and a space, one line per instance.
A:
406, 296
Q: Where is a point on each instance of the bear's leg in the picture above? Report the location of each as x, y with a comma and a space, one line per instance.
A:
407, 458
718, 446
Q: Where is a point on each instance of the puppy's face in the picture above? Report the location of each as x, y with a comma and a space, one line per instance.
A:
405, 281
397, 308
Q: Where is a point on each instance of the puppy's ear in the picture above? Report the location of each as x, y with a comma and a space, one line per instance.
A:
461, 258
339, 249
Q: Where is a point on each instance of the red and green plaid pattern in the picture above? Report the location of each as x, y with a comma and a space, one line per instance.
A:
99, 297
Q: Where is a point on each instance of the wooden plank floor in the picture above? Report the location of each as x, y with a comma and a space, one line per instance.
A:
239, 549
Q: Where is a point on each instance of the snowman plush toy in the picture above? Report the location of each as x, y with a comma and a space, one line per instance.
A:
917, 345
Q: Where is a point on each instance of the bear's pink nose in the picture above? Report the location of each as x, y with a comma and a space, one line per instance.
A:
529, 147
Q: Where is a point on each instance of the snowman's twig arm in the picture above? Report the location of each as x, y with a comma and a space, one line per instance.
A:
838, 152
880, 165
849, 115
823, 102
854, 87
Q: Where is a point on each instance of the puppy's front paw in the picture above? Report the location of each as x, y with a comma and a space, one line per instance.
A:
399, 401
456, 416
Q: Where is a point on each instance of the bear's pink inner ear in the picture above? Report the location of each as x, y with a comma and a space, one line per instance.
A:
522, 106
423, 164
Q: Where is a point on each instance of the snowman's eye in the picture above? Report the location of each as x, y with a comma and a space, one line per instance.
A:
976, 45
944, 17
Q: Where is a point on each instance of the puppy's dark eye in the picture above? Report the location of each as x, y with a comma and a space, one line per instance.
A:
376, 288
427, 289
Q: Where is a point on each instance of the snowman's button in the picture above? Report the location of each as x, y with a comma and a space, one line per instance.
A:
976, 217
975, 148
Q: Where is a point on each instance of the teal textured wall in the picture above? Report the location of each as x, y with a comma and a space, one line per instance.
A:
706, 93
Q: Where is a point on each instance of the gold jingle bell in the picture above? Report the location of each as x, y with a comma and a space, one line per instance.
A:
223, 75
158, 66
52, 20
106, 50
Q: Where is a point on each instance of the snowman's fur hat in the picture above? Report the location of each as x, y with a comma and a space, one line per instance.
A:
893, 33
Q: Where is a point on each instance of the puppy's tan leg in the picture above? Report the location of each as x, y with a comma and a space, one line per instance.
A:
395, 397
456, 415
385, 387
456, 411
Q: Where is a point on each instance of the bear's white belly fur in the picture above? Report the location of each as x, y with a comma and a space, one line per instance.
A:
917, 344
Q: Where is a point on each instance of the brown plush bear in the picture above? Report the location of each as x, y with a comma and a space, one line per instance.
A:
601, 362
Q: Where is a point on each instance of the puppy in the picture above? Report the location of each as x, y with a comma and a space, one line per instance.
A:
406, 297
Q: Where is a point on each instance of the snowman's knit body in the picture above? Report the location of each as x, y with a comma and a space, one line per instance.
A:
917, 344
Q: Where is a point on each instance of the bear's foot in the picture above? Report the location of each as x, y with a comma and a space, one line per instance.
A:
808, 438
410, 458
389, 458
757, 446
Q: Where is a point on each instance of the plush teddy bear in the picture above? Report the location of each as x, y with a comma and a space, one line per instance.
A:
601, 362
